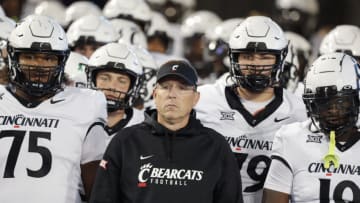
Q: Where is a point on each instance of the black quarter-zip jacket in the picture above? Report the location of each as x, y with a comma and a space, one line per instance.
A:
147, 163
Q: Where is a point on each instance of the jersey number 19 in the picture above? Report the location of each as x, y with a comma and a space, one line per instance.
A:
338, 191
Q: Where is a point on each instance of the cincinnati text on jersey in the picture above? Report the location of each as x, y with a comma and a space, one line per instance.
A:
347, 169
21, 120
243, 141
167, 176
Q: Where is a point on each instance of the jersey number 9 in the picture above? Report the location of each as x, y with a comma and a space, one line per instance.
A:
252, 172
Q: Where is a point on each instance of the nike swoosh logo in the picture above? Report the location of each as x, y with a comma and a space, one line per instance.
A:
56, 101
145, 157
281, 119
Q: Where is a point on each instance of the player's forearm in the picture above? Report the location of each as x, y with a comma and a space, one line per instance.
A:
272, 196
88, 173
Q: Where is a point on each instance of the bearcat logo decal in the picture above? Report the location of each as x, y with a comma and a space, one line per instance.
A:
149, 174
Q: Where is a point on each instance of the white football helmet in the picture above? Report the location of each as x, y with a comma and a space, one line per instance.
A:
343, 38
80, 8
217, 39
160, 28
37, 34
135, 10
120, 58
7, 25
290, 73
299, 42
333, 81
129, 33
297, 15
75, 69
223, 30
91, 29
149, 72
173, 10
188, 4
302, 49
257, 34
198, 22
193, 29
53, 9
307, 6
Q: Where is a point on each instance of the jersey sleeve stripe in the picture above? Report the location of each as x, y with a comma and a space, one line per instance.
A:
274, 157
93, 125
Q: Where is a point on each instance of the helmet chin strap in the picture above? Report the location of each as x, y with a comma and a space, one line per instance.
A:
114, 105
255, 83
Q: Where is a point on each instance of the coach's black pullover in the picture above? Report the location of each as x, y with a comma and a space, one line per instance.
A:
147, 163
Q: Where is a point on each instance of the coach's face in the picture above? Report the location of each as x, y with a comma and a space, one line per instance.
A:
174, 100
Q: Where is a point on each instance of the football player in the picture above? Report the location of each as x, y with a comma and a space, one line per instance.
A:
148, 63
161, 40
300, 60
302, 48
343, 38
299, 16
290, 74
51, 135
159, 36
53, 9
136, 11
75, 70
249, 112
90, 32
115, 70
174, 10
216, 46
77, 9
130, 32
6, 26
193, 30
313, 161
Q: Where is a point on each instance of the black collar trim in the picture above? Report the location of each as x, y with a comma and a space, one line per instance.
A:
253, 120
349, 143
24, 102
129, 112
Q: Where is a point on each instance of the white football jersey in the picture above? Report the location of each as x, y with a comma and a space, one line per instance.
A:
298, 168
133, 117
300, 90
42, 148
250, 137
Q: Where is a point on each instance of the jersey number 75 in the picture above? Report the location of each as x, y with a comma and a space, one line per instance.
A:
44, 152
